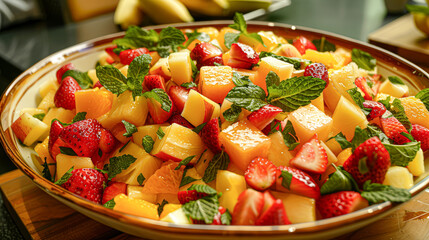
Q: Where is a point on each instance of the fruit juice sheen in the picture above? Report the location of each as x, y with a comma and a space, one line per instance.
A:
258, 129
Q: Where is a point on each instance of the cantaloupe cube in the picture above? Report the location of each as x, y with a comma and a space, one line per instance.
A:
178, 217
347, 116
95, 102
136, 192
399, 177
395, 90
298, 208
44, 155
49, 85
180, 67
221, 37
216, 82
333, 145
199, 109
65, 162
417, 166
29, 129
134, 206
279, 153
147, 130
230, 185
326, 58
319, 103
309, 120
62, 114
243, 142
282, 69
47, 101
416, 111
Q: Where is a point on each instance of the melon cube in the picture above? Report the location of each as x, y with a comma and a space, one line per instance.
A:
279, 153
95, 102
230, 185
416, 111
216, 82
334, 146
282, 69
47, 101
62, 114
319, 103
417, 166
243, 142
29, 129
395, 90
347, 116
270, 40
134, 206
50, 85
199, 109
65, 162
309, 120
299, 209
136, 192
180, 67
399, 177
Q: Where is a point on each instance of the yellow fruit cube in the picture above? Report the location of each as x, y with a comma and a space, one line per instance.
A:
199, 109
282, 69
252, 42
136, 192
230, 185
203, 163
326, 58
169, 208
211, 31
216, 82
279, 153
95, 102
333, 145
180, 67
395, 90
331, 156
270, 40
399, 177
137, 207
29, 129
416, 111
62, 114
299, 209
169, 197
177, 216
147, 130
47, 101
347, 116
50, 85
221, 37
417, 166
319, 103
65, 162
32, 111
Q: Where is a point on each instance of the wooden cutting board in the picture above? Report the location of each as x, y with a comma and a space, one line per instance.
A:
39, 216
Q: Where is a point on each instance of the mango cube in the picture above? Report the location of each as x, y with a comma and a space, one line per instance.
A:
135, 206
417, 166
395, 90
416, 111
299, 209
326, 58
95, 102
180, 67
216, 82
347, 116
399, 177
230, 185
199, 109
279, 153
65, 162
282, 69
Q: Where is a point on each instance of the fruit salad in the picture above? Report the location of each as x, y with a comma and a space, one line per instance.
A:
229, 127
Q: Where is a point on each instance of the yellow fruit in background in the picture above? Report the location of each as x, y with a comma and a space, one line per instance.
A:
421, 21
162, 11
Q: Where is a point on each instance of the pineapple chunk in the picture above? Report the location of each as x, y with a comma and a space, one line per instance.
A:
399, 177
169, 208
180, 67
29, 129
298, 208
347, 116
147, 130
136, 192
50, 85
65, 162
230, 185
32, 111
137, 207
417, 166
395, 90
93, 75
47, 101
279, 153
62, 114
282, 69
199, 109
178, 217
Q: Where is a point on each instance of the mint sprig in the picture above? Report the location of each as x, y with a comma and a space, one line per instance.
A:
39, 116
204, 208
160, 96
340, 180
363, 59
342, 140
358, 99
286, 179
398, 112
396, 80
402, 155
79, 117
239, 80
423, 95
186, 179
81, 78
250, 97
161, 206
232, 113
219, 162
376, 193
130, 128
240, 25
148, 143
119, 163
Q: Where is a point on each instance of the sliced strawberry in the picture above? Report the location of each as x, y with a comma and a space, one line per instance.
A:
377, 109
97, 85
180, 120
394, 129
191, 195
83, 137
210, 135
99, 159
421, 134
268, 200
154, 81
248, 207
107, 141
340, 203
87, 183
55, 150
179, 95
158, 114
264, 116
62, 70
311, 157
204, 51
260, 174
64, 97
211, 61
112, 54
317, 70
242, 56
363, 85
274, 215
127, 56
114, 188
302, 44
369, 161
300, 182
54, 133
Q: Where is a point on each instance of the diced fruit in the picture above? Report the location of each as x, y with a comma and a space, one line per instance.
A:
282, 69
227, 105
179, 95
205, 53
230, 185
395, 90
54, 133
243, 142
47, 101
346, 117
317, 70
421, 134
242, 56
216, 82
399, 177
302, 44
415, 111
180, 120
417, 166
177, 217
137, 207
340, 203
65, 95
260, 174
369, 161
114, 189
127, 56
154, 81
299, 209
300, 182
221, 36
47, 86
62, 70
180, 67
42, 151
95, 102
210, 135
279, 153
311, 157
191, 195
377, 109
364, 87
83, 137
60, 114
329, 59
199, 109
169, 197
158, 114
202, 165
65, 162
136, 192
29, 129
264, 116
248, 208
113, 55
161, 68
118, 132
165, 179
87, 183
107, 141
149, 130
394, 129
274, 215
287, 50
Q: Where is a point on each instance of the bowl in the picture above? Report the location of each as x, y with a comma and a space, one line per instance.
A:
23, 92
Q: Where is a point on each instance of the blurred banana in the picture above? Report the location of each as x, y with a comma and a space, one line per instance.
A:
166, 11
247, 5
207, 7
128, 13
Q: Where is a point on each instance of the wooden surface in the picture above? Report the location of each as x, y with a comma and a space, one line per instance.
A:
40, 216
403, 38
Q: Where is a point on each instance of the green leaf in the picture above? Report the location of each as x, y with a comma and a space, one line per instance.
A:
189, 85
385, 102
324, 45
68, 151
203, 189
81, 78
296, 62
374, 131
376, 193
198, 128
287, 179
295, 92
79, 117
255, 36
139, 67
362, 165
160, 96
359, 137
395, 80
112, 79
184, 162
342, 140
204, 208
171, 36
239, 23
161, 206
135, 86
250, 97
126, 144
230, 38
46, 173
272, 79
110, 204
202, 36
140, 179
337, 181
239, 80
119, 163
39, 116
186, 180
219, 162
418, 9
232, 113
129, 128
65, 177
289, 136
160, 133
398, 112
358, 99
148, 143
363, 59
226, 218
423, 95
136, 37
195, 70
401, 155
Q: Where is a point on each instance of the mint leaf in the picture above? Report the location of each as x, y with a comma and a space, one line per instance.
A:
398, 112
385, 102
296, 62
374, 131
46, 173
184, 162
219, 162
289, 136
140, 179
117, 164
160, 96
122, 148
395, 80
195, 70
274, 126
376, 193
65, 177
295, 92
239, 80
198, 128
68, 151
110, 204
148, 143
255, 36
79, 117
136, 37
81, 78
204, 208
363, 59
129, 128
337, 181
171, 36
401, 155
160, 133
423, 95
112, 79
359, 137
358, 99
324, 45
226, 218
203, 189
342, 140
250, 97
272, 79
135, 86
202, 36
239, 23
287, 179
231, 38
189, 85
161, 206
186, 179
232, 113
418, 9
39, 116
139, 67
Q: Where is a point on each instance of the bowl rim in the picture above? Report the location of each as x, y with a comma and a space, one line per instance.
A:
8, 141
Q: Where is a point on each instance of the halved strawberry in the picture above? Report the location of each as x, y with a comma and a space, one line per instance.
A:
87, 183
127, 56
340, 203
311, 157
363, 85
377, 109
421, 134
107, 141
114, 188
179, 95
64, 97
62, 70
190, 195
393, 129
242, 56
302, 44
376, 83
204, 51
154, 81
158, 114
248, 207
268, 200
112, 54
54, 133
210, 135
317, 70
264, 116
274, 215
176, 118
83, 137
97, 85
211, 61
296, 181
260, 174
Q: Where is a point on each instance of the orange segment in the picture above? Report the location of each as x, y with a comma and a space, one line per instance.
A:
95, 102
216, 82
416, 111
164, 180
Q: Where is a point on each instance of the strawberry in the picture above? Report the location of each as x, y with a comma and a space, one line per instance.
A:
203, 52
54, 132
210, 135
158, 114
179, 95
191, 195
361, 83
264, 116
369, 161
311, 157
242, 56
375, 79
154, 81
317, 70
217, 218
87, 183
211, 61
55, 150
274, 215
260, 174
340, 203
127, 56
268, 200
83, 137
302, 44
64, 97
62, 70
393, 129
377, 109
112, 54
301, 183
107, 141
248, 207
421, 134
99, 159
180, 120
114, 188
97, 85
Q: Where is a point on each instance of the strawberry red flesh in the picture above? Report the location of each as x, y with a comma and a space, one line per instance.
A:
362, 84
97, 85
317, 70
64, 97
158, 114
311, 157
217, 219
62, 70
302, 44
112, 54
179, 95
394, 130
210, 135
87, 183
242, 55
127, 56
114, 188
211, 61
191, 195
377, 109
180, 120
82, 136
274, 215
264, 116
340, 203
107, 141
248, 208
54, 133
260, 174
421, 134
301, 183
204, 51
154, 81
